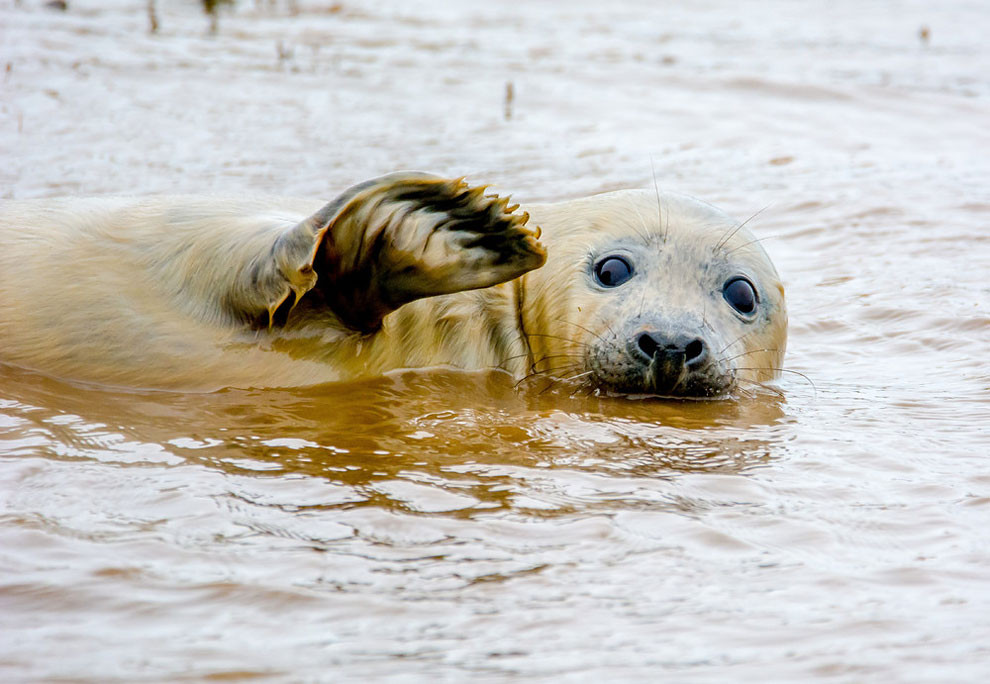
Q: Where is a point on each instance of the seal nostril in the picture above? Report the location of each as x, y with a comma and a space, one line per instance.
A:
647, 345
677, 353
694, 351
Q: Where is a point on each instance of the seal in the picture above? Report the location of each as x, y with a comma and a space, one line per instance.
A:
639, 294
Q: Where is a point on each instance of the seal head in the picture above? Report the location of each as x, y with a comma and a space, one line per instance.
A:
644, 294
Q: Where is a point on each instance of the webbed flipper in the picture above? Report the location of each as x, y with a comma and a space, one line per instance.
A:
386, 242
407, 235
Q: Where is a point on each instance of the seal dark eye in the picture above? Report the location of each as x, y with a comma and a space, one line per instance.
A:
612, 271
741, 295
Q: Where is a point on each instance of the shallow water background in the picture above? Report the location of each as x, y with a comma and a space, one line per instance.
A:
449, 526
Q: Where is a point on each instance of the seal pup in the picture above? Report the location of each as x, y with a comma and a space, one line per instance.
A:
404, 271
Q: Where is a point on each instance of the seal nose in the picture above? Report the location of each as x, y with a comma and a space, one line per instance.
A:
683, 351
669, 359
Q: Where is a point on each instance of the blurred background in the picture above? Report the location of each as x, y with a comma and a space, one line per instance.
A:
745, 105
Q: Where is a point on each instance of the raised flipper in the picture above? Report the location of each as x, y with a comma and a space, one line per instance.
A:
389, 241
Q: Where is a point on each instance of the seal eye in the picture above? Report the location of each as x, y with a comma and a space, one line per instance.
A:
741, 295
612, 271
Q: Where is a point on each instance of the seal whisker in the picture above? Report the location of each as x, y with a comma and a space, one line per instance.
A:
735, 341
548, 372
660, 216
745, 393
615, 335
761, 385
590, 332
751, 351
737, 386
645, 232
554, 380
555, 356
578, 375
768, 237
569, 378
514, 357
561, 373
580, 385
728, 236
786, 370
543, 358
558, 337
527, 377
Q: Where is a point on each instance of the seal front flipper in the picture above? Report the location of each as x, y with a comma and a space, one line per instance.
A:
404, 236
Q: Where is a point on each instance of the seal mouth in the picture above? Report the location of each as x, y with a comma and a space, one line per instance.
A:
716, 387
660, 364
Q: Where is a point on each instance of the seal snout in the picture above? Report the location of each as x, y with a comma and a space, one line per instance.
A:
683, 351
672, 361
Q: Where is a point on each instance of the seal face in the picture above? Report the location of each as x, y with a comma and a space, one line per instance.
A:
645, 294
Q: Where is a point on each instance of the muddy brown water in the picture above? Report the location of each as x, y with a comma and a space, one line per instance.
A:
440, 525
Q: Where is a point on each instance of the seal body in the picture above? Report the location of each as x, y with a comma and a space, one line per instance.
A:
404, 271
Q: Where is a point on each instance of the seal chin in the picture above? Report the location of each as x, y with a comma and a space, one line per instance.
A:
668, 364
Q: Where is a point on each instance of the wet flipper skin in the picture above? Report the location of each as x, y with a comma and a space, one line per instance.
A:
387, 242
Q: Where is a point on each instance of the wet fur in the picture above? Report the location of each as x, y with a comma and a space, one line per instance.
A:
403, 272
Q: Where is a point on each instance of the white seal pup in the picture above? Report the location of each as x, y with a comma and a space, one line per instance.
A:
404, 271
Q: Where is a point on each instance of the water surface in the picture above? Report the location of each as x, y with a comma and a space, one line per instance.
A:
443, 525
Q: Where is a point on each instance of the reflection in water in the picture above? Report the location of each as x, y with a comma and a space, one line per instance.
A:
409, 496
459, 441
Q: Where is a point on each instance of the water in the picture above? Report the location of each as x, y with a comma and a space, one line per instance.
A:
442, 525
